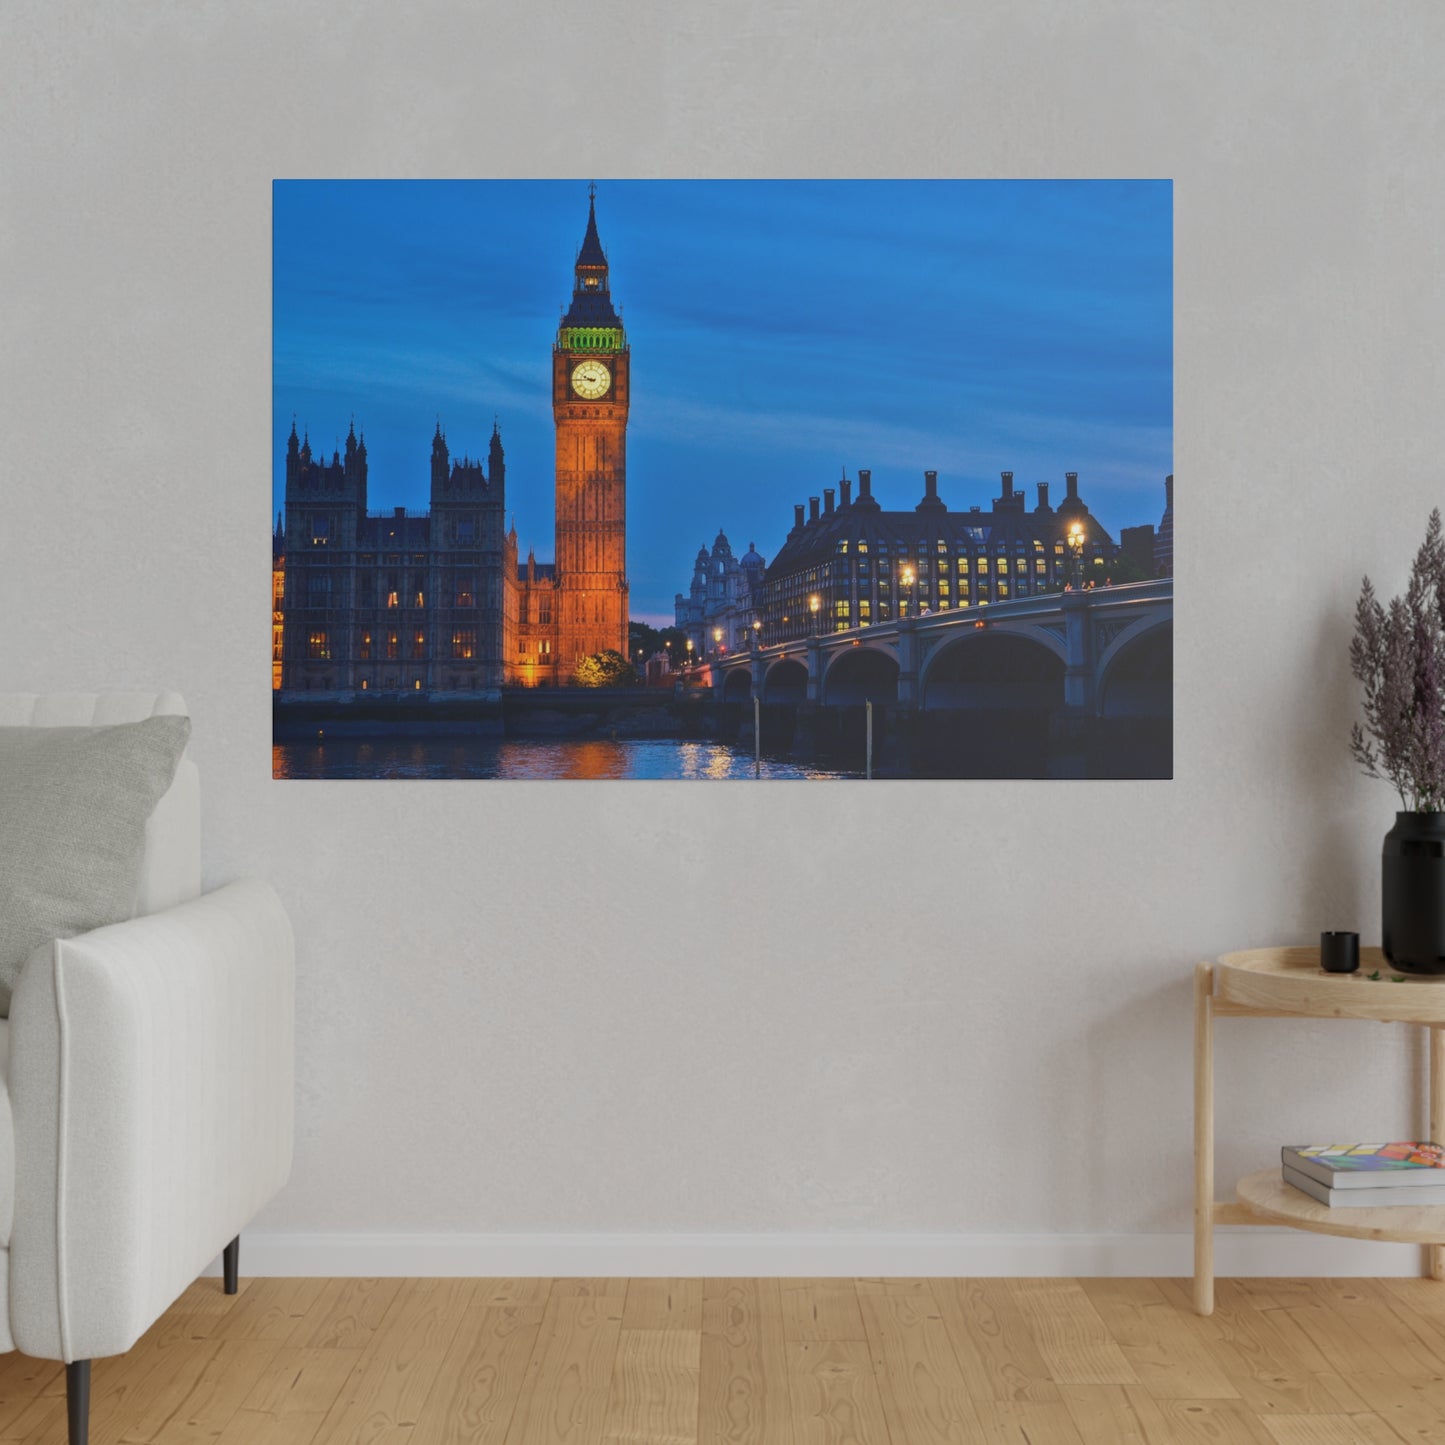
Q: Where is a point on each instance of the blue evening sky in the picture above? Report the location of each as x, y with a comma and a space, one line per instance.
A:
783, 333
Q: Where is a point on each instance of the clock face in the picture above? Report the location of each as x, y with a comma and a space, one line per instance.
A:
591, 379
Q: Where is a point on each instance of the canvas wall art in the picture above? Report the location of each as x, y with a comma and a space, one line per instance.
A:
753, 480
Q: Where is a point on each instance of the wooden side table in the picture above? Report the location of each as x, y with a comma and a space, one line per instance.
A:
1289, 983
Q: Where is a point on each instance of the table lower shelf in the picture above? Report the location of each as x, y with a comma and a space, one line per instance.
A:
1268, 1197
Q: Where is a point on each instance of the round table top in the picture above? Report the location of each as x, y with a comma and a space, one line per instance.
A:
1290, 980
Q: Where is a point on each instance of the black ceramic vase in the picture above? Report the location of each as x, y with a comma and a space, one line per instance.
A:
1414, 893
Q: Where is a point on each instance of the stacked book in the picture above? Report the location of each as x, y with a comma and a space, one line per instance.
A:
1367, 1176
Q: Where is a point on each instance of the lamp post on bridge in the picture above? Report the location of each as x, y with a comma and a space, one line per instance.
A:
814, 603
907, 577
1075, 540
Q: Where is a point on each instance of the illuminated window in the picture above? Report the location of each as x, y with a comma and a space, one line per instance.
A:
1020, 566
318, 646
391, 599
466, 589
982, 565
363, 684
417, 684
366, 647
1001, 565
464, 642
544, 648
862, 549
418, 643
1002, 590
320, 531
420, 599
865, 610
393, 646
1040, 566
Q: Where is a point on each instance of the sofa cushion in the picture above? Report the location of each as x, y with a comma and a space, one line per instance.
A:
73, 809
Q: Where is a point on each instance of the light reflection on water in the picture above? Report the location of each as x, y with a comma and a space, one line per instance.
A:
460, 757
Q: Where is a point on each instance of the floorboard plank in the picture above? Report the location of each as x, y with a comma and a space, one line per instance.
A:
654, 1398
925, 1397
834, 1395
743, 1371
1074, 1342
570, 1375
480, 1382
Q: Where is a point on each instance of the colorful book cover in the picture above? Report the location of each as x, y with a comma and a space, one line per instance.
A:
1366, 1158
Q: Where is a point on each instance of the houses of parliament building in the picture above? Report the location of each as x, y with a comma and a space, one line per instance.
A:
390, 602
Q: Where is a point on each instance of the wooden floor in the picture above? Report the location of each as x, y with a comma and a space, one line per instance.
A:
765, 1362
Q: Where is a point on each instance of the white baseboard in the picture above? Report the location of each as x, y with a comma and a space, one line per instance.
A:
1241, 1252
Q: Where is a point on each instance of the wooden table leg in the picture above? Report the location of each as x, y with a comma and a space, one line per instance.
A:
1435, 1253
1204, 1138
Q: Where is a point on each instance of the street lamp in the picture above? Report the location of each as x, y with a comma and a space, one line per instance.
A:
717, 639
907, 577
757, 631
1075, 541
814, 603
689, 654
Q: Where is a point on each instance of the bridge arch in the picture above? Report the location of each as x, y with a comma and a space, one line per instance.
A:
1136, 671
1000, 669
786, 681
859, 675
737, 684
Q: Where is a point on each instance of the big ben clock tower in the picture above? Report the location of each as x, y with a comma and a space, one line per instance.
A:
590, 364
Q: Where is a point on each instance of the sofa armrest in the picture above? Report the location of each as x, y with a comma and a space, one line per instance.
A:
151, 1081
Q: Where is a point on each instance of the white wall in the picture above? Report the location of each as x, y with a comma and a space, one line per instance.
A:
941, 1009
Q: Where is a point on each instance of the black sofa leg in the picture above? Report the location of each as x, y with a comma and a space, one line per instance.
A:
231, 1264
77, 1401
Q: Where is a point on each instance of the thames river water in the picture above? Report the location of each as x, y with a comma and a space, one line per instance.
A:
530, 758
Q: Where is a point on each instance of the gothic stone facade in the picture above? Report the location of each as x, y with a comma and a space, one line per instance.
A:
391, 602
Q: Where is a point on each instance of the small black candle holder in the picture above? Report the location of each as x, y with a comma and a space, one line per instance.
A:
1340, 952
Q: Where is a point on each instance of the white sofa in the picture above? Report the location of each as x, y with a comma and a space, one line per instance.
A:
148, 1072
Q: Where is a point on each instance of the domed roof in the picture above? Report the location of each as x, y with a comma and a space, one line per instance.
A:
752, 558
722, 544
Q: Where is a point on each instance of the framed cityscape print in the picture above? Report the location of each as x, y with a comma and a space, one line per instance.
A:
800, 480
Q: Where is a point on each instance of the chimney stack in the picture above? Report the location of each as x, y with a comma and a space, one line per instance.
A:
930, 502
865, 484
847, 492
1008, 484
1169, 491
827, 501
812, 509
798, 517
1043, 496
1071, 483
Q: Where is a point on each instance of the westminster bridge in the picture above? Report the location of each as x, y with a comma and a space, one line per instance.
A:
1067, 683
